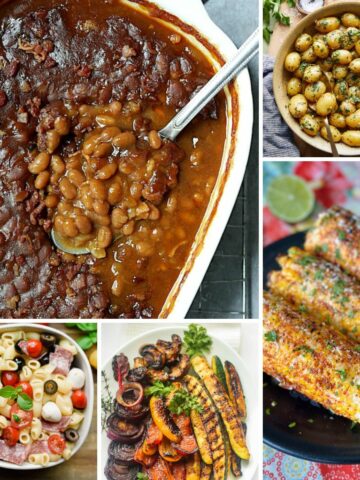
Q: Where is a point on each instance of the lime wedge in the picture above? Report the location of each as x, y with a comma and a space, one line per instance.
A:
290, 198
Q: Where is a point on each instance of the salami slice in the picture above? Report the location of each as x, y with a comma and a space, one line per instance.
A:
56, 427
17, 454
61, 359
41, 446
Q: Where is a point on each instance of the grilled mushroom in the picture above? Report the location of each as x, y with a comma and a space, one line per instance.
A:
153, 357
180, 368
137, 374
170, 349
157, 375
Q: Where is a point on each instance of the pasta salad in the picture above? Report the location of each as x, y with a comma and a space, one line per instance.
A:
42, 398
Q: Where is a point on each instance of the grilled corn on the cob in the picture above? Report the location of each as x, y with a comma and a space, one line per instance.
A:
336, 237
320, 288
312, 358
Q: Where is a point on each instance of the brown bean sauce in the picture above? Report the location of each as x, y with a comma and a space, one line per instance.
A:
84, 88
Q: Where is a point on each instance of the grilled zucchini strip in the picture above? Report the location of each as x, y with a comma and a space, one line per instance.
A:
224, 406
211, 423
233, 460
336, 238
320, 288
235, 389
311, 357
201, 437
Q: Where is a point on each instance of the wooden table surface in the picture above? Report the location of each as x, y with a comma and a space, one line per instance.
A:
82, 466
280, 32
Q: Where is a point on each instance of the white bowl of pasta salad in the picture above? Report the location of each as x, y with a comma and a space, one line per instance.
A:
46, 397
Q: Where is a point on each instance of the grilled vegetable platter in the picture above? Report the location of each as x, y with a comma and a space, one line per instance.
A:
178, 404
311, 341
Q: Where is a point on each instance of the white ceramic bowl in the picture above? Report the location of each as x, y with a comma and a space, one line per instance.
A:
213, 42
249, 380
81, 361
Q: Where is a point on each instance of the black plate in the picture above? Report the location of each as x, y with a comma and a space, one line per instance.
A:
318, 435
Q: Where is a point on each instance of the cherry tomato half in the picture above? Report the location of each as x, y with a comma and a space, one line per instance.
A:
20, 418
11, 436
9, 378
56, 444
26, 388
34, 348
79, 399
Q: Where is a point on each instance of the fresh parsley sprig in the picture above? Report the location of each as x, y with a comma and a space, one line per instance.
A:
16, 393
159, 389
141, 476
271, 10
183, 402
197, 340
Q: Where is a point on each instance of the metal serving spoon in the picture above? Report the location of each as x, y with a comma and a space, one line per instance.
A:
243, 56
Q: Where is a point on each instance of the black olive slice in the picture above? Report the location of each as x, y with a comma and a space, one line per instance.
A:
50, 387
71, 435
47, 339
20, 362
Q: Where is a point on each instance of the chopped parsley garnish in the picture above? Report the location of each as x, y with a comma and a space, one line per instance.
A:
183, 402
271, 336
159, 389
341, 234
342, 373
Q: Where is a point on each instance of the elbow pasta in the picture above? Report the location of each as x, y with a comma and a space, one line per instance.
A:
37, 374
330, 58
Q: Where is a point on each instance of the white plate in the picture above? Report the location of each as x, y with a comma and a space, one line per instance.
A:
131, 350
81, 361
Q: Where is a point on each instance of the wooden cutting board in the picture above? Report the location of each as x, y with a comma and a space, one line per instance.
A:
83, 465
279, 34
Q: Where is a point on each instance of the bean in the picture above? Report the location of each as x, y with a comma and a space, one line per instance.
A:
67, 189
115, 107
136, 190
88, 202
171, 204
128, 228
76, 177
74, 161
69, 228
99, 219
62, 125
54, 179
104, 237
42, 180
64, 207
118, 217
40, 163
124, 140
117, 287
102, 150
144, 249
51, 201
154, 140
97, 189
83, 224
59, 224
57, 165
101, 207
125, 167
154, 212
106, 172
90, 143
114, 193
105, 120
196, 158
108, 133
52, 140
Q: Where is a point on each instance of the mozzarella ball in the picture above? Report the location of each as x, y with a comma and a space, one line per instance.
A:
51, 412
77, 378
